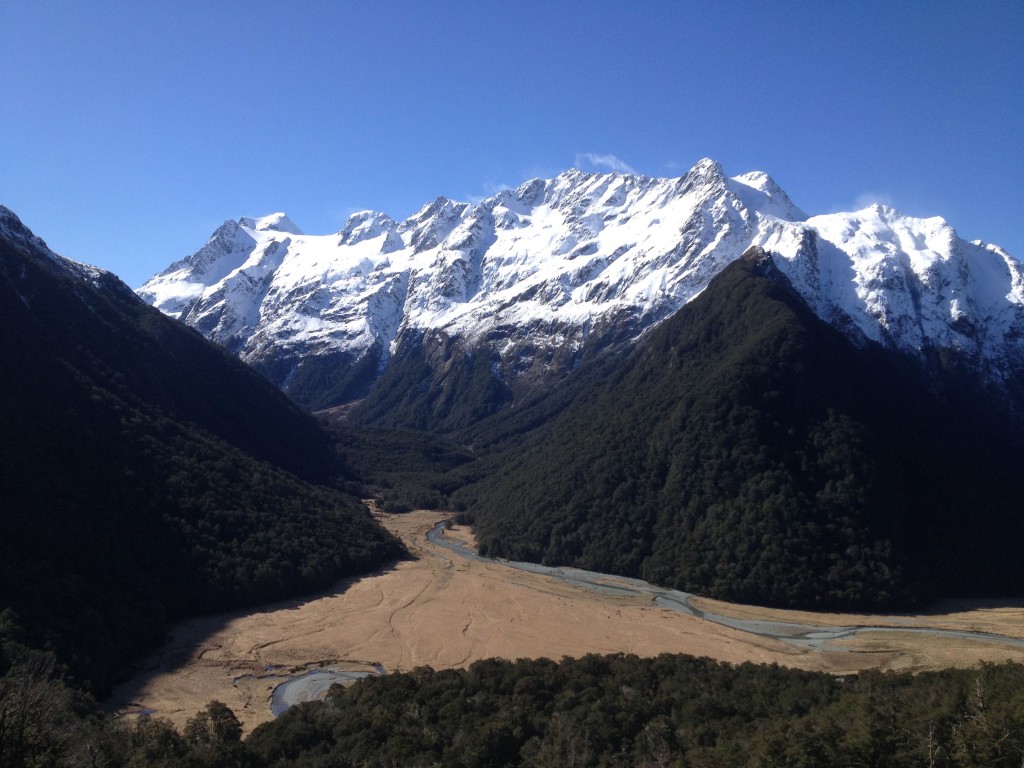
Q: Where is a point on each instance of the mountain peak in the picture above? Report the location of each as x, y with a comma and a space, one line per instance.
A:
879, 217
432, 208
575, 175
275, 222
429, 226
365, 225
707, 167
759, 191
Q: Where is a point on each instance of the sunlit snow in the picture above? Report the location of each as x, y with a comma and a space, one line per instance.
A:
553, 258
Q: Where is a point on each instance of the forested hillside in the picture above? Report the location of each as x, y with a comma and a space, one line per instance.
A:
147, 475
666, 711
749, 451
596, 711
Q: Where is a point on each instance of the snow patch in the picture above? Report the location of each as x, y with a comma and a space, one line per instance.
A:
275, 222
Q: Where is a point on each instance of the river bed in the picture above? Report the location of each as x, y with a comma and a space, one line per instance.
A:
315, 683
811, 637
314, 686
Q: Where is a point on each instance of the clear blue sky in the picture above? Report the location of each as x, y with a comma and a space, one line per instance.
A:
129, 130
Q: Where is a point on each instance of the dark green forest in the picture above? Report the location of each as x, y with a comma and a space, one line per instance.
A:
749, 451
744, 449
404, 469
147, 475
667, 711
595, 711
433, 385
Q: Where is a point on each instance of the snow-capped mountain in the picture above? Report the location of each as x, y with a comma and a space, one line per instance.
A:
530, 275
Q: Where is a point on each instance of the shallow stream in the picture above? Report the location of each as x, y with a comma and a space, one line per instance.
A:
802, 635
315, 683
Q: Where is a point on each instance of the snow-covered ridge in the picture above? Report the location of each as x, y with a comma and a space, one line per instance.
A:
907, 282
541, 266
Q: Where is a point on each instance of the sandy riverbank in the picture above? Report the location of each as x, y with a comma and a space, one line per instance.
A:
443, 610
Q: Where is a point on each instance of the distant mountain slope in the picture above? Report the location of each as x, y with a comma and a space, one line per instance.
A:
145, 473
525, 284
750, 451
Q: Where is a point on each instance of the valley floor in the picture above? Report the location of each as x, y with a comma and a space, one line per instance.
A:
444, 610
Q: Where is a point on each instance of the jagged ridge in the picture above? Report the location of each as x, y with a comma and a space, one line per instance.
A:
531, 277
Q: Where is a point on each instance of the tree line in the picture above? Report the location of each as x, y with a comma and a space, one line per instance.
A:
602, 711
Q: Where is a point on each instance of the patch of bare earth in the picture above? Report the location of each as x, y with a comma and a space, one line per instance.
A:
444, 611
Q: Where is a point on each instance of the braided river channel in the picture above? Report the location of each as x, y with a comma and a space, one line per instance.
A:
314, 684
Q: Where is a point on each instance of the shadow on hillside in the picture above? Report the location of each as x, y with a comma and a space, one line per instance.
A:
187, 641
949, 606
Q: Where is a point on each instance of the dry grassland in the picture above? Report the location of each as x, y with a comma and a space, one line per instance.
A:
446, 611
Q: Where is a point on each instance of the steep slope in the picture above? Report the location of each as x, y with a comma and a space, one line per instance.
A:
147, 474
514, 292
750, 451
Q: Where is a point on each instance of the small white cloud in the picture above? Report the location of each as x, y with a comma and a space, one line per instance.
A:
609, 162
861, 201
866, 199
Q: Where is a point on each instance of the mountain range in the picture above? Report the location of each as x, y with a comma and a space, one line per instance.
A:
709, 389
687, 380
525, 284
684, 380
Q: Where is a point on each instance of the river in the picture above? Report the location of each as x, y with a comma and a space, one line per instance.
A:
315, 683
802, 635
